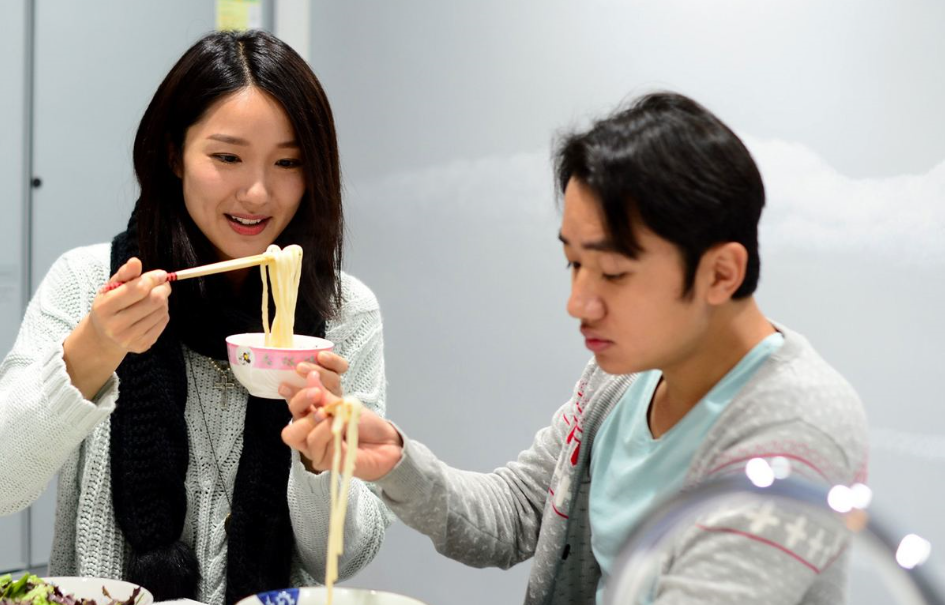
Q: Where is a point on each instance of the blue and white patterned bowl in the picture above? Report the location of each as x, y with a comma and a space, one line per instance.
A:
317, 596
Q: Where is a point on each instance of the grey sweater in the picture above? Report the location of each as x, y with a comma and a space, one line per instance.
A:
795, 407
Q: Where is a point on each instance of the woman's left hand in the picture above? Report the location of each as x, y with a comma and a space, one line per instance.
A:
329, 368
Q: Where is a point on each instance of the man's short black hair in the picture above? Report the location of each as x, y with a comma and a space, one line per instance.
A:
670, 164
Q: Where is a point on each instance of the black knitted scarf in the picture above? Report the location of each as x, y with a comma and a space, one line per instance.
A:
149, 446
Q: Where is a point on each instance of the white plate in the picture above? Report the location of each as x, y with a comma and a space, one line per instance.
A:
91, 588
317, 595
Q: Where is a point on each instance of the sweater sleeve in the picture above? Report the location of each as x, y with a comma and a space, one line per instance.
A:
765, 551
358, 337
44, 417
480, 519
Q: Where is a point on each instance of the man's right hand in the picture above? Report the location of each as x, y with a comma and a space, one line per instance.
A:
380, 446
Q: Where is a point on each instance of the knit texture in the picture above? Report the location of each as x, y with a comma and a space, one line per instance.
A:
148, 424
47, 427
796, 407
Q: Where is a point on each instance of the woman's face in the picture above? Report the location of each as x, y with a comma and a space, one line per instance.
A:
242, 173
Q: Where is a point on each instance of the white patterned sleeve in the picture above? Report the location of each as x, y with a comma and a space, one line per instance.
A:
43, 417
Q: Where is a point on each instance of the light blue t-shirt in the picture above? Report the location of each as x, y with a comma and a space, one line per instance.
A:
631, 471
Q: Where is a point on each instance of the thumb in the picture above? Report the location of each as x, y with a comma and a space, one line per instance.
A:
129, 270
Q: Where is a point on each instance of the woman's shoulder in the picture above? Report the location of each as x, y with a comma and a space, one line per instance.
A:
90, 264
356, 297
93, 255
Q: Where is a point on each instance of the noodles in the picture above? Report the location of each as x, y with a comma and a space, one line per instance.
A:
285, 272
347, 411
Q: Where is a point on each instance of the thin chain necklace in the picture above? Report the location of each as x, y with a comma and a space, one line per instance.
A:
223, 386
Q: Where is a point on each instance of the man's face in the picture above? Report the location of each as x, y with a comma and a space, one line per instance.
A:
632, 311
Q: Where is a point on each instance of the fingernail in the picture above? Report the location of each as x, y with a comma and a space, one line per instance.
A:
317, 416
285, 391
306, 367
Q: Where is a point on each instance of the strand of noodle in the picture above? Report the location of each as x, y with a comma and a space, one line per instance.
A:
265, 299
349, 412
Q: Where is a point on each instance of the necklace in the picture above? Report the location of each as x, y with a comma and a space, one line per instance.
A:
225, 383
222, 386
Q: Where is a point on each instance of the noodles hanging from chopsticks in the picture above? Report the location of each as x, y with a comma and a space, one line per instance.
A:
285, 272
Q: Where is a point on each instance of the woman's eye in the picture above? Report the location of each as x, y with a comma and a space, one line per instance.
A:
227, 158
614, 276
573, 265
289, 163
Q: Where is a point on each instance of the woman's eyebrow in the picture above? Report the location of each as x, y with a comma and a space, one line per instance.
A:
231, 140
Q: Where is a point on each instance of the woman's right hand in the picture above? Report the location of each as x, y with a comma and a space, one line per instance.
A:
380, 446
131, 317
128, 319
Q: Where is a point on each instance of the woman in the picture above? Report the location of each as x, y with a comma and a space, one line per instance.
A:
170, 475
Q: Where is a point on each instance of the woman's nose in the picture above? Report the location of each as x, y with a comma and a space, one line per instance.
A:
255, 192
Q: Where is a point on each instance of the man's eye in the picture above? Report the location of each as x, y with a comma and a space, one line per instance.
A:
573, 265
227, 158
614, 276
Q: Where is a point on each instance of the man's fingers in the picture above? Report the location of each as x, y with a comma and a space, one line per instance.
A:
309, 437
302, 402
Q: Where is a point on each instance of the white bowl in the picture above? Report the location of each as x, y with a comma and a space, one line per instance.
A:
91, 588
262, 369
317, 596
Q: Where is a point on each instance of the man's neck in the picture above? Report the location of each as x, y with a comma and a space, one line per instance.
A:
733, 332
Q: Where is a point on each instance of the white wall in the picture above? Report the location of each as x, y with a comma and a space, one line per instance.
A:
446, 112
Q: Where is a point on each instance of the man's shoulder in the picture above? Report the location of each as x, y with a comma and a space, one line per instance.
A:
796, 401
797, 381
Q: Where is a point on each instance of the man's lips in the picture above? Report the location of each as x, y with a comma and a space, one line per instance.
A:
594, 341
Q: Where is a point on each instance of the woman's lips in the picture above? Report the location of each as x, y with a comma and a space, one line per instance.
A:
239, 224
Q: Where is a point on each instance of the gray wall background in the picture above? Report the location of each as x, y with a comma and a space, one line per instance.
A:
446, 114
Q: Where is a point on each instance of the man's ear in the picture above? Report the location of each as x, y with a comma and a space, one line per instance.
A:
723, 268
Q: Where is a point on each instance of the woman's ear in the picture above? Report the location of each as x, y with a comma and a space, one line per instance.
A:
725, 266
174, 160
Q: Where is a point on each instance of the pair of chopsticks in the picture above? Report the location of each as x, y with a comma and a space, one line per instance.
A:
227, 265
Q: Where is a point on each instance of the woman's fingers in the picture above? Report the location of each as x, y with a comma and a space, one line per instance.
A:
329, 375
335, 363
132, 316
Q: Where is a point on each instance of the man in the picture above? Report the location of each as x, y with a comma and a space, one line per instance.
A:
689, 381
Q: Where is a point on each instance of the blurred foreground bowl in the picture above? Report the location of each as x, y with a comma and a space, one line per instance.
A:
318, 595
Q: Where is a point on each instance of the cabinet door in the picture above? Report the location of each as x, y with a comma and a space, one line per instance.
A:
96, 66
13, 39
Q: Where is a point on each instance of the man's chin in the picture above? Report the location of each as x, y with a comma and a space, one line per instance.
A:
614, 366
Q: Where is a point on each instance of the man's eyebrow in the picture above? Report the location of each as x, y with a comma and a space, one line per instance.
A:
599, 245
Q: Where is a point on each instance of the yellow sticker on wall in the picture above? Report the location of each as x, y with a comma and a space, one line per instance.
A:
239, 14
